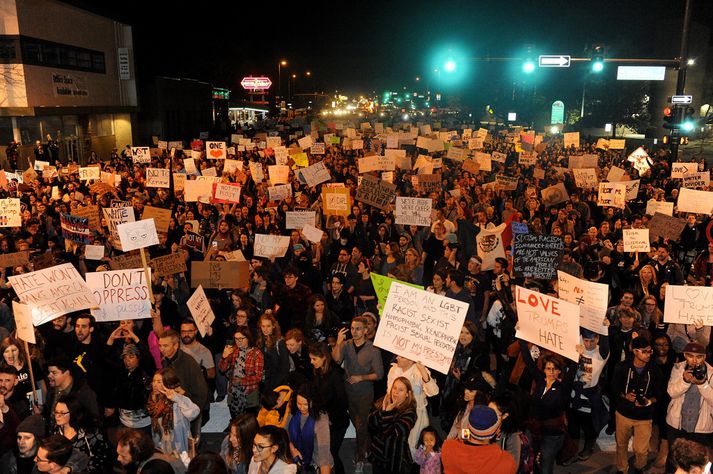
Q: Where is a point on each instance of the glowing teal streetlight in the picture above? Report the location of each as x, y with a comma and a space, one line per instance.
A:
528, 67
450, 66
687, 126
598, 66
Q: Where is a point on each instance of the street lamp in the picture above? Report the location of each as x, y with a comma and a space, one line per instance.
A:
291, 90
450, 65
281, 63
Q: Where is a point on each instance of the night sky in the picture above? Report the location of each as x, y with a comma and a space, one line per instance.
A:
364, 46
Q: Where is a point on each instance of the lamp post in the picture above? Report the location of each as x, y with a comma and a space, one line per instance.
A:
279, 76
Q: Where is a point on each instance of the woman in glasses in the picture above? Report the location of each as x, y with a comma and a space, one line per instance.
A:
271, 452
243, 365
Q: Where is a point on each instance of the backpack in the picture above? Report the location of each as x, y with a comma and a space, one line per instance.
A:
526, 463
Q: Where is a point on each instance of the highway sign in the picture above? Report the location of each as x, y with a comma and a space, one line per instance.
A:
681, 99
554, 60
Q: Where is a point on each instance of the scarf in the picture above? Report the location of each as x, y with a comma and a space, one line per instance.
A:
302, 437
160, 410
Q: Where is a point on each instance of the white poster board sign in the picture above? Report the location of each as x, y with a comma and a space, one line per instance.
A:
299, 219
93, 252
10, 215
413, 211
23, 322
158, 178
271, 246
200, 309
636, 240
137, 235
120, 294
140, 154
688, 304
592, 299
698, 202
664, 207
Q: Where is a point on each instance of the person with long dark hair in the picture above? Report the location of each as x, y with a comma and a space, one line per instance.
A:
309, 433
271, 452
74, 423
243, 365
236, 449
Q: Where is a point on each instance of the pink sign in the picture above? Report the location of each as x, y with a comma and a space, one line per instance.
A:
256, 83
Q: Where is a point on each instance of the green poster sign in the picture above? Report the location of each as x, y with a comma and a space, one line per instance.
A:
382, 284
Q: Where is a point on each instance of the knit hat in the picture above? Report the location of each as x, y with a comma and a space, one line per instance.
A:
484, 422
131, 349
694, 348
34, 424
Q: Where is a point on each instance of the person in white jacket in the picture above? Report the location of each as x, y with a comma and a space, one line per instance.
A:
423, 386
690, 413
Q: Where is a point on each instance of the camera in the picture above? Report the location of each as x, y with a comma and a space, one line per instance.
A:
698, 372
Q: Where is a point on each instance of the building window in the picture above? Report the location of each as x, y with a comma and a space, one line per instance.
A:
8, 50
38, 52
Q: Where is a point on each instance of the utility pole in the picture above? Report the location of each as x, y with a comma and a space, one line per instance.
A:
681, 81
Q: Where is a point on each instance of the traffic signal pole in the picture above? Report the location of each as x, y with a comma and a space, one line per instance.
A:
682, 67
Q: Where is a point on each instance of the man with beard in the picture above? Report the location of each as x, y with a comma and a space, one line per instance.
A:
195, 349
88, 354
135, 450
58, 336
17, 401
63, 382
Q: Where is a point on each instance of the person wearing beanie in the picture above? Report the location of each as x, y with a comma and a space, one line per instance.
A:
690, 413
475, 451
29, 434
637, 382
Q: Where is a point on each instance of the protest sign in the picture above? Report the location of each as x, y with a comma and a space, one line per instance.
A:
170, 264
376, 163
90, 173
126, 261
592, 299
114, 217
554, 195
429, 183
14, 259
52, 292
421, 326
270, 245
519, 227
632, 189
226, 193
216, 150
140, 154
318, 149
198, 190
471, 166
212, 172
456, 154
312, 233
498, 157
279, 174
219, 274
231, 166
382, 285
698, 202
507, 183
75, 228
10, 213
137, 235
179, 181
257, 172
527, 158
316, 174
279, 192
617, 144
336, 201
484, 161
423, 161
234, 256
585, 178
162, 217
305, 142
663, 225
300, 159
571, 139
158, 178
612, 195
636, 240
664, 207
94, 252
688, 304
583, 161
536, 255
298, 219
615, 174
271, 142
190, 165
413, 211
548, 322
200, 309
91, 213
680, 169
23, 322
120, 294
696, 180
490, 245
194, 241
642, 161
281, 156
375, 192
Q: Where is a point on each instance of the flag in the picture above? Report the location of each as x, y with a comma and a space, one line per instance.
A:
490, 245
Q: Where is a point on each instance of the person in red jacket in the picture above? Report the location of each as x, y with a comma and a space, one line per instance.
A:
474, 451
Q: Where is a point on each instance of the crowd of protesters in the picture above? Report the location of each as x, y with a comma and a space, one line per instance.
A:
293, 355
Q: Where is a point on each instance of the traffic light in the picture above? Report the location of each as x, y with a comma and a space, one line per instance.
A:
528, 66
688, 123
450, 65
669, 118
597, 58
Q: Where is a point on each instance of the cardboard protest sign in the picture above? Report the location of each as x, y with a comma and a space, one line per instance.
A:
219, 274
664, 207
140, 154
23, 322
52, 292
490, 245
662, 225
114, 217
94, 252
527, 158
471, 166
632, 189
697, 180
336, 201
376, 163
571, 139
158, 178
484, 160
612, 195
120, 294
200, 309
636, 240
190, 165
226, 193
305, 142
315, 174
195, 190
257, 172
698, 202
270, 245
279, 174
162, 217
429, 183
179, 181
617, 144
375, 192
216, 150
139, 234
90, 173
549, 322
299, 219
91, 213
507, 183
413, 211
456, 154
584, 161
554, 195
537, 256
688, 304
592, 299
279, 192
14, 259
680, 169
585, 178
170, 264
75, 228
498, 157
126, 261
421, 326
10, 213
615, 174
312, 233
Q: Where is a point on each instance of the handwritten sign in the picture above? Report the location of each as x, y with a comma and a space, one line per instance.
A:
318, 149
688, 304
270, 246
257, 172
376, 163
471, 166
190, 165
537, 256
680, 169
14, 259
571, 139
162, 217
279, 192
632, 189
312, 233
89, 212
697, 180
139, 234
23, 322
549, 322
93, 252
585, 178
226, 193
158, 178
114, 217
636, 240
592, 299
413, 211
299, 219
506, 183
219, 274
498, 157
315, 174
662, 225
195, 190
52, 292
583, 161
615, 174
170, 264
279, 174
200, 309
421, 326
75, 228
527, 158
120, 294
336, 201
456, 154
428, 183
554, 195
612, 195
140, 154
382, 285
215, 150
10, 213
663, 207
698, 202
375, 192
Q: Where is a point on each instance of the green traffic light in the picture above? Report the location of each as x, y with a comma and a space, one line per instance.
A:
687, 126
528, 67
450, 65
598, 66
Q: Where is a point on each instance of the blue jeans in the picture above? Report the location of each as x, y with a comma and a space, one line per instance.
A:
550, 446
